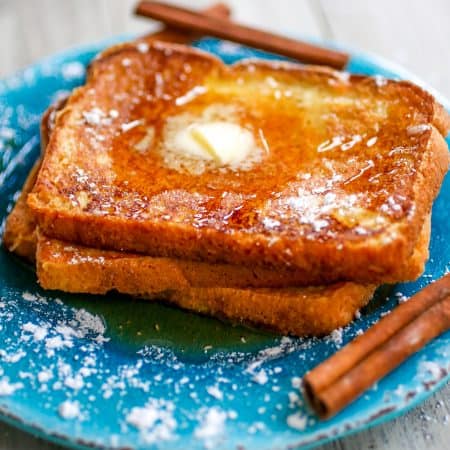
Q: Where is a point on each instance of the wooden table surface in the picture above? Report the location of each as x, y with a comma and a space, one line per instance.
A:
413, 33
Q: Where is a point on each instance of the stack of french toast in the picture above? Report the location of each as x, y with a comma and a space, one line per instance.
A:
264, 193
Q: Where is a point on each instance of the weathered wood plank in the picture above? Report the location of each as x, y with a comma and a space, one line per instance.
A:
413, 33
12, 48
74, 22
33, 30
424, 428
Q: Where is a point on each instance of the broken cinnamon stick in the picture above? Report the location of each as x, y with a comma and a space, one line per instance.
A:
188, 20
339, 380
170, 34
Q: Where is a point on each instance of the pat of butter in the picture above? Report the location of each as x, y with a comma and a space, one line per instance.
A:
223, 142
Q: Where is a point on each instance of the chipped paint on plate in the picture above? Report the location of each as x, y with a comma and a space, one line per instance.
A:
114, 372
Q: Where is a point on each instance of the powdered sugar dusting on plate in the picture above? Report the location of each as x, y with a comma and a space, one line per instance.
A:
211, 427
69, 410
8, 388
70, 347
155, 421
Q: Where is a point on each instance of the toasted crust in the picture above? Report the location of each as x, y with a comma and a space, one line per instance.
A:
295, 311
302, 311
73, 268
298, 311
441, 119
336, 252
20, 237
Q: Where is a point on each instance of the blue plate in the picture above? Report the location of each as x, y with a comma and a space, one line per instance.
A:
115, 372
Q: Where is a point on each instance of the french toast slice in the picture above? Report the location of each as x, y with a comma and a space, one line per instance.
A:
72, 268
343, 172
20, 237
297, 311
160, 272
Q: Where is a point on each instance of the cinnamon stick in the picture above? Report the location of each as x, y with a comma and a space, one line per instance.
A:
178, 36
187, 20
338, 381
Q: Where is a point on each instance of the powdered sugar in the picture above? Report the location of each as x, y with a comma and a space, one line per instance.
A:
297, 421
130, 125
155, 420
90, 323
38, 333
69, 410
57, 343
11, 357
296, 382
8, 388
237, 375
336, 337
421, 128
74, 382
211, 427
260, 377
44, 376
431, 367
142, 47
29, 297
215, 392
96, 117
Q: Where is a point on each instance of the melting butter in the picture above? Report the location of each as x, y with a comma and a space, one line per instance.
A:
225, 143
211, 139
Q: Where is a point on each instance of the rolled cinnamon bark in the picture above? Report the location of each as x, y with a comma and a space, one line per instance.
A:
189, 20
178, 36
342, 378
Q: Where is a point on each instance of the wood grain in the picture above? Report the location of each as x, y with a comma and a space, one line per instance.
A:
414, 33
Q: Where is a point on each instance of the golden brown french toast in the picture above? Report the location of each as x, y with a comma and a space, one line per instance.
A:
338, 176
161, 272
19, 235
297, 311
71, 268
191, 285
